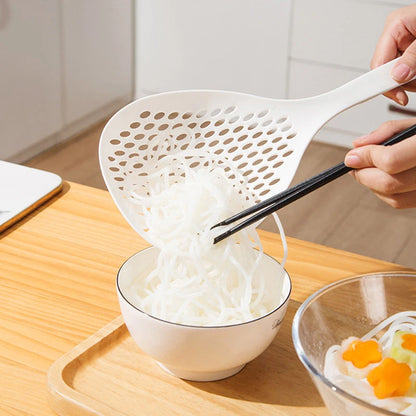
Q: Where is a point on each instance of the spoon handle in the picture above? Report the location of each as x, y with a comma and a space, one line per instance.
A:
360, 89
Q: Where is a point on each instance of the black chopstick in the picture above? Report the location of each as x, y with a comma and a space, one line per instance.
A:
272, 204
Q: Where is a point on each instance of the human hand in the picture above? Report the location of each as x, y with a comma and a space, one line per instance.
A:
399, 39
389, 171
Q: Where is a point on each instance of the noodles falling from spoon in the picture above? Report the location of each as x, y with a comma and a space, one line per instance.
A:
196, 282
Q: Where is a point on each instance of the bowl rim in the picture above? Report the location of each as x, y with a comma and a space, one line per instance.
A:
299, 348
280, 305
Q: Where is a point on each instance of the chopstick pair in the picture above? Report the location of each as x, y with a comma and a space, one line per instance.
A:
274, 203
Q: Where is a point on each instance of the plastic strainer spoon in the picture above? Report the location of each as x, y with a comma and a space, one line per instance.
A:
263, 138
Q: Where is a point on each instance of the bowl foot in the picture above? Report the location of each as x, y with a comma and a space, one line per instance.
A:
202, 375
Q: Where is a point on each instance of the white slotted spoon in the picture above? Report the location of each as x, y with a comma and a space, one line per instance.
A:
263, 138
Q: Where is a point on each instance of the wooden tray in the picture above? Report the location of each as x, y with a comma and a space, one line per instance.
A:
107, 375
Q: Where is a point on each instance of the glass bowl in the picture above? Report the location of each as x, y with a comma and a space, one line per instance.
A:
350, 307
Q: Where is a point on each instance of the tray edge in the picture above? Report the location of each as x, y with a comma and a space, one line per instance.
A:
62, 398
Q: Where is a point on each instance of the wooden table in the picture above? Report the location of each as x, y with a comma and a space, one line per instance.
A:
57, 284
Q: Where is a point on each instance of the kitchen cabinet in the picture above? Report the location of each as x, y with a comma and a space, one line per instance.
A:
97, 55
332, 43
30, 74
66, 64
278, 49
341, 33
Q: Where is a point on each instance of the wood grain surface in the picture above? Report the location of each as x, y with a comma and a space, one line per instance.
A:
57, 285
92, 379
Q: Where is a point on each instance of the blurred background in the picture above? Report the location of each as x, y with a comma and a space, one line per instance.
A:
68, 65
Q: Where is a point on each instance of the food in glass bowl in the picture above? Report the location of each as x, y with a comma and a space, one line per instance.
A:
356, 339
379, 367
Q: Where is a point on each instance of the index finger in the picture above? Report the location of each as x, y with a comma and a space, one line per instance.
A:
386, 49
391, 159
384, 131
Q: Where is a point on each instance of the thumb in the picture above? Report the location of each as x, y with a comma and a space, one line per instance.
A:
405, 68
363, 157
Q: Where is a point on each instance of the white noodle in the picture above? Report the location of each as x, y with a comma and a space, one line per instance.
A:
196, 282
353, 380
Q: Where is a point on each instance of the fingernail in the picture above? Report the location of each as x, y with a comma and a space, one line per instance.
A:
401, 98
352, 160
400, 72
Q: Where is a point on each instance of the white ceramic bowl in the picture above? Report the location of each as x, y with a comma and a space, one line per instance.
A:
199, 353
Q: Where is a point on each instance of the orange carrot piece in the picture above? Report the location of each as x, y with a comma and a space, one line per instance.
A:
362, 353
409, 342
390, 378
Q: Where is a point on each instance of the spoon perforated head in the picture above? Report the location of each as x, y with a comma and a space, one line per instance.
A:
262, 138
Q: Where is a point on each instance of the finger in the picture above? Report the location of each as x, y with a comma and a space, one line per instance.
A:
400, 201
384, 132
391, 159
405, 68
386, 48
398, 95
383, 183
398, 33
